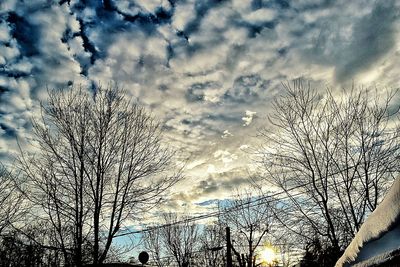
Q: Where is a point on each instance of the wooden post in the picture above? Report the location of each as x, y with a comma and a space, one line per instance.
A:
228, 248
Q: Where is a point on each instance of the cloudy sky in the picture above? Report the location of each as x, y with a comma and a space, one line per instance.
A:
207, 69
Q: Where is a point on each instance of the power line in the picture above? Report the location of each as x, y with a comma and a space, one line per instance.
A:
204, 216
255, 202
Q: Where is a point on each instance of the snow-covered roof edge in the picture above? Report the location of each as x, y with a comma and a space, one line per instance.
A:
380, 259
380, 220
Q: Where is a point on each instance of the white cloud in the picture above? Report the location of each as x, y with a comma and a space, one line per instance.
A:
211, 168
4, 32
244, 147
152, 5
226, 134
225, 156
7, 5
194, 164
260, 15
184, 13
248, 118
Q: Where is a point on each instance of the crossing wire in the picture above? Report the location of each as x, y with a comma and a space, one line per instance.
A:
255, 202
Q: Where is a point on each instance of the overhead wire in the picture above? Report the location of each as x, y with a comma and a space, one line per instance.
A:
253, 202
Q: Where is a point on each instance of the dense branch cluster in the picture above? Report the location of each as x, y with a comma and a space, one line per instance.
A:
340, 149
99, 161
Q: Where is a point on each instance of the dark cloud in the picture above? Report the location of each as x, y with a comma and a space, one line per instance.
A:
208, 186
25, 33
254, 28
257, 4
9, 132
216, 186
351, 45
201, 9
196, 92
373, 36
246, 89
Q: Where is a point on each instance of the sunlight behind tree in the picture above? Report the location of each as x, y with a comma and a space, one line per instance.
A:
268, 255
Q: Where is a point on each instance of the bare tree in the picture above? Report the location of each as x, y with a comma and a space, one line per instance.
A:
250, 219
176, 238
154, 244
23, 246
99, 161
10, 200
287, 245
213, 241
337, 151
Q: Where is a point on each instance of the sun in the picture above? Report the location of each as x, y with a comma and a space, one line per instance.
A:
268, 255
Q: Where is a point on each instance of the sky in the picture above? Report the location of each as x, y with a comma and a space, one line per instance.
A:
208, 70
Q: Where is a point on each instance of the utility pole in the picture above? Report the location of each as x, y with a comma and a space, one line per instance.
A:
228, 248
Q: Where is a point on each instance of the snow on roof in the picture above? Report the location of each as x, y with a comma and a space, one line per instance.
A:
384, 258
378, 223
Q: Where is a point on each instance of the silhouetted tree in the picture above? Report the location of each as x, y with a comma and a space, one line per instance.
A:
23, 247
212, 245
178, 241
10, 200
250, 219
318, 254
98, 161
337, 151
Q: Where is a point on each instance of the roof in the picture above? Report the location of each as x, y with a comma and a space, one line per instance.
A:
380, 233
388, 259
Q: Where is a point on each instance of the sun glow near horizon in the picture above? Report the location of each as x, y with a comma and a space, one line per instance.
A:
268, 255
